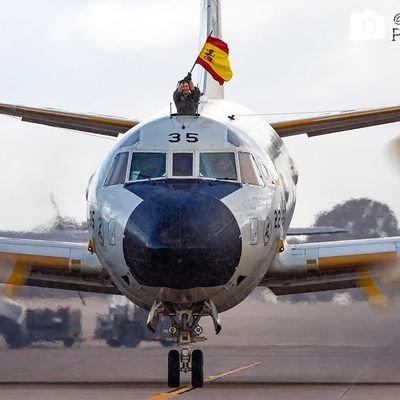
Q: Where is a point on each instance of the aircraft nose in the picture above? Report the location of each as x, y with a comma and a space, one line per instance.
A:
181, 239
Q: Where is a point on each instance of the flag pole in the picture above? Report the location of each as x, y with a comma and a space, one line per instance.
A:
200, 51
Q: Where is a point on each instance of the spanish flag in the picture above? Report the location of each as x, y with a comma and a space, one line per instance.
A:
214, 58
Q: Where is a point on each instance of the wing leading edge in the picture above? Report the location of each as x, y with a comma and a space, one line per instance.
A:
314, 267
100, 124
59, 265
338, 122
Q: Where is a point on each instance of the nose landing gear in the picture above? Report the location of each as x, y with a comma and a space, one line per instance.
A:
186, 331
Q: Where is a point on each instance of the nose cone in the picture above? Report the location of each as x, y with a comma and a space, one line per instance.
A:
181, 237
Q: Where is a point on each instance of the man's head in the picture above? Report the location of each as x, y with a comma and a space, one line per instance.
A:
184, 87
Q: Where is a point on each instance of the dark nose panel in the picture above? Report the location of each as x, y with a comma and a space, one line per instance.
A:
181, 237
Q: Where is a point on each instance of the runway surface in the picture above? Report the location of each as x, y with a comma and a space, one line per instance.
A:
305, 352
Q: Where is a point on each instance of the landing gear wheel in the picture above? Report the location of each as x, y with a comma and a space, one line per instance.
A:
173, 368
197, 369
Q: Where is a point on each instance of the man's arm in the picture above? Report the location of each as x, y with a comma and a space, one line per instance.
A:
176, 95
195, 94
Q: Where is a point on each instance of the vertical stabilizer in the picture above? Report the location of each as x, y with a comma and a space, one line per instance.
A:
211, 22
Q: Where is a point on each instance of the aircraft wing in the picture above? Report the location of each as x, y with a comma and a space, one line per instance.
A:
315, 230
314, 267
100, 124
60, 265
112, 126
338, 122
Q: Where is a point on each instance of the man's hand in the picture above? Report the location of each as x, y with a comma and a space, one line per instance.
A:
188, 77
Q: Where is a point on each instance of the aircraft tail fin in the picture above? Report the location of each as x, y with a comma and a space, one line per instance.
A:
211, 22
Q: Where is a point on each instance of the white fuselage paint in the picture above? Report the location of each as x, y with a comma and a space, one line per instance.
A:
109, 207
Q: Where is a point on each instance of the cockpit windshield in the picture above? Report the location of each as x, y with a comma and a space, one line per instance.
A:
182, 164
147, 165
218, 166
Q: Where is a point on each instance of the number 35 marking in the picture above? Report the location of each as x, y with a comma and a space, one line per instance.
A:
190, 137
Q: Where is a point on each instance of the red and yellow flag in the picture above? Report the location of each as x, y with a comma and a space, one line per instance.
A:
214, 58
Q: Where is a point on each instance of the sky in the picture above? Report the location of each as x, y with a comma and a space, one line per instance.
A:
123, 58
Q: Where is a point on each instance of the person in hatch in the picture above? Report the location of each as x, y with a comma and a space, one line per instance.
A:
186, 96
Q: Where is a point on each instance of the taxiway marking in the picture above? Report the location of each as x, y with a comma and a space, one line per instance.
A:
183, 389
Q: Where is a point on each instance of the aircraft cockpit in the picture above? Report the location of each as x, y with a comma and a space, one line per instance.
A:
185, 148
147, 166
219, 165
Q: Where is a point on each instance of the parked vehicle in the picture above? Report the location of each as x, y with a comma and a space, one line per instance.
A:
125, 325
21, 326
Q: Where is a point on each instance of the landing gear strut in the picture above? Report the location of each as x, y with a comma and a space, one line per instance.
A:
186, 331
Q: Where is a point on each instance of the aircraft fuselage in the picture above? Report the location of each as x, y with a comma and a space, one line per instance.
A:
191, 208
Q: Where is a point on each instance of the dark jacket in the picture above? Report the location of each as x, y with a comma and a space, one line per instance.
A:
187, 105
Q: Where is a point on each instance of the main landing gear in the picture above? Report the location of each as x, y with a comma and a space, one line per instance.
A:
186, 331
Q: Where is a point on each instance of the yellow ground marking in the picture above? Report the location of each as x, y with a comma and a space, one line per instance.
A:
176, 392
171, 395
356, 260
230, 372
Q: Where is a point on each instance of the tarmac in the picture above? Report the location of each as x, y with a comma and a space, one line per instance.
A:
265, 351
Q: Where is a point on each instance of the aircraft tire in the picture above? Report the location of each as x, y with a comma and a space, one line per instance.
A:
197, 369
173, 368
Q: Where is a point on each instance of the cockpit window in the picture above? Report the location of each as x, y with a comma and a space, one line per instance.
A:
117, 172
218, 166
182, 164
248, 169
147, 165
